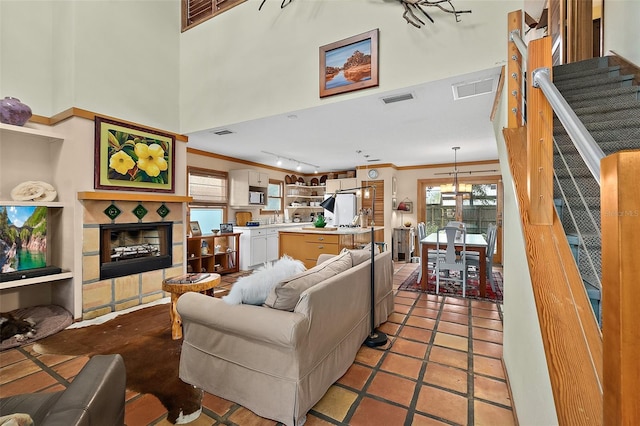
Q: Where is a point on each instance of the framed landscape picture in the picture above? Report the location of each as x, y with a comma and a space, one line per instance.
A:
132, 158
349, 64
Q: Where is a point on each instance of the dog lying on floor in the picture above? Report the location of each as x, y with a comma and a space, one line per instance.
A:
11, 326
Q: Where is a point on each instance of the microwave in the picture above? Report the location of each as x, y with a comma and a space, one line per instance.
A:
256, 197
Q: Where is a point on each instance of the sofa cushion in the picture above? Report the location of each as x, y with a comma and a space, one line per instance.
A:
286, 293
359, 256
254, 289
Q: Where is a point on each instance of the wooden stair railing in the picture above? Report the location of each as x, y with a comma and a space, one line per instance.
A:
620, 204
595, 378
572, 343
571, 337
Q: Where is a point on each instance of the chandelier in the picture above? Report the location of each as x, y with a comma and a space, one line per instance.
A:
456, 187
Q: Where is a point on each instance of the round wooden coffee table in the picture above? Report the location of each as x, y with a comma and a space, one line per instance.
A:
178, 289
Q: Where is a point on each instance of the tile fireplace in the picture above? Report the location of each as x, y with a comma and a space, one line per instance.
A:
131, 248
125, 258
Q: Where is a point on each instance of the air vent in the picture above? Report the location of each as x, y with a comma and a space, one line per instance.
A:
475, 88
222, 132
398, 98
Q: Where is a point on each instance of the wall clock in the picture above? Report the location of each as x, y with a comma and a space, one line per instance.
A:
373, 174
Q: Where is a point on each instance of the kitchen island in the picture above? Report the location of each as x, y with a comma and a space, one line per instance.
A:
306, 243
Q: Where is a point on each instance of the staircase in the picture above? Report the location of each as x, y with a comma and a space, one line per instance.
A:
608, 104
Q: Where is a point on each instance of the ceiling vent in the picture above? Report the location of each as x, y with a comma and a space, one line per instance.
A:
475, 88
397, 98
222, 132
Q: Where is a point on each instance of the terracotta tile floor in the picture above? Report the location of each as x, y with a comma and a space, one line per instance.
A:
441, 366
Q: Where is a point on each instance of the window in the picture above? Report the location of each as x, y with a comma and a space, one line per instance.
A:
274, 196
209, 191
478, 210
209, 218
207, 186
195, 12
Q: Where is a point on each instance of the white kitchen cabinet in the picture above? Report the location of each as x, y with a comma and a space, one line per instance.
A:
243, 181
259, 244
257, 179
253, 247
334, 185
272, 244
258, 249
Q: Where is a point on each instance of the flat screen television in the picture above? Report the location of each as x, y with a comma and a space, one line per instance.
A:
23, 239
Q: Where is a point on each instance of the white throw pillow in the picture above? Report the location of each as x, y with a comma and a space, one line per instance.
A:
254, 289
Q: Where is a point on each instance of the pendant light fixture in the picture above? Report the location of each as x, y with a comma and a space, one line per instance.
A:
456, 187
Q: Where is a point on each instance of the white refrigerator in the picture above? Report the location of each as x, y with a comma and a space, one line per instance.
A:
344, 210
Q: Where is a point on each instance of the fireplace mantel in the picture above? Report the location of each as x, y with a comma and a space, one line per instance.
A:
134, 196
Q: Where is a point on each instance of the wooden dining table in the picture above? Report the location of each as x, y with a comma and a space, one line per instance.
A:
474, 242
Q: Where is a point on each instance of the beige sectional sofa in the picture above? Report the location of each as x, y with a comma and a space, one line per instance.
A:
279, 363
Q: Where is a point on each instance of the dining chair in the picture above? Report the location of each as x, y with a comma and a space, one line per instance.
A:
432, 255
457, 223
451, 261
473, 258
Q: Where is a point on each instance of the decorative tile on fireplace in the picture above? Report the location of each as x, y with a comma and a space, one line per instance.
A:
140, 211
163, 211
112, 211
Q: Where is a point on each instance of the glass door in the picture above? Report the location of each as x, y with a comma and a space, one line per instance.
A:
477, 209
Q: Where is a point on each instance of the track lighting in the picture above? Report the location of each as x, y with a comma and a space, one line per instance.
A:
298, 163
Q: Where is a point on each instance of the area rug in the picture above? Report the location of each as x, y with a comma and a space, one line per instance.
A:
49, 320
454, 289
151, 356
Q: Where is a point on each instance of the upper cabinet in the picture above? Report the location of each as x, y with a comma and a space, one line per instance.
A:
257, 179
248, 188
334, 185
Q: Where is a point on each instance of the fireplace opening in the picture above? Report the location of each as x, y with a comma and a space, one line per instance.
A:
131, 248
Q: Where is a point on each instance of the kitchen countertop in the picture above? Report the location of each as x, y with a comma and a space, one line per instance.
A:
274, 225
340, 231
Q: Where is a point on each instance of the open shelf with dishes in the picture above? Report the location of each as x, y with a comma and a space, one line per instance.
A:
307, 197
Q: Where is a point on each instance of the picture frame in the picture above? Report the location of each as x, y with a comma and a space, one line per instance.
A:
360, 52
405, 207
118, 164
194, 226
226, 228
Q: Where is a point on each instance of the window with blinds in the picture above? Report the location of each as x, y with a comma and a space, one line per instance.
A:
195, 12
207, 186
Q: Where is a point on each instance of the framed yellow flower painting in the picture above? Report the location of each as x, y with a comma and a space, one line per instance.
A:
132, 158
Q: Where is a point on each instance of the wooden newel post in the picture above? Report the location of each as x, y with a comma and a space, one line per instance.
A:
539, 138
514, 73
620, 204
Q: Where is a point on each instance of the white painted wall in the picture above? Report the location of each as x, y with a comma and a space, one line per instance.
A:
273, 54
621, 30
118, 58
